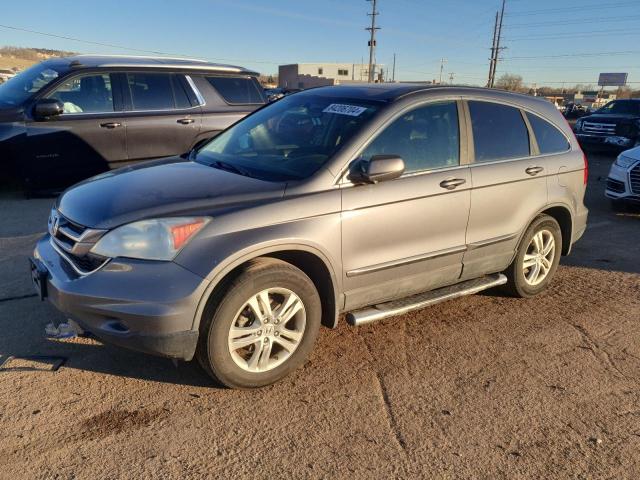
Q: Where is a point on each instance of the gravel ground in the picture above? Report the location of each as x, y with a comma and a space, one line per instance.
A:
481, 387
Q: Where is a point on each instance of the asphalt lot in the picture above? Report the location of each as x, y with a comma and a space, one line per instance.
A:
481, 387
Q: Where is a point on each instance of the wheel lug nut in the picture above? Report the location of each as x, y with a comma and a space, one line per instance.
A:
259, 332
266, 340
276, 333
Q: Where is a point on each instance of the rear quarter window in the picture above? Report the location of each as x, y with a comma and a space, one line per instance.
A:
499, 131
549, 138
237, 90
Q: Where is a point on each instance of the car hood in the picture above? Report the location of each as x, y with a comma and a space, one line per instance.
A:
633, 153
160, 189
609, 118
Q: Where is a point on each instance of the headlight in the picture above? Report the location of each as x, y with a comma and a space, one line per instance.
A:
624, 162
157, 239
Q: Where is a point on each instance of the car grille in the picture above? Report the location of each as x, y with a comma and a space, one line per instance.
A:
615, 185
599, 128
634, 179
74, 242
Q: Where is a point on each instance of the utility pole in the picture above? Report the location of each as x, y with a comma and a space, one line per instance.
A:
393, 74
442, 62
451, 74
372, 40
493, 52
498, 47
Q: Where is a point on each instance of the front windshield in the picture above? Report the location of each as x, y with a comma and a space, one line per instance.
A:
620, 108
19, 88
289, 139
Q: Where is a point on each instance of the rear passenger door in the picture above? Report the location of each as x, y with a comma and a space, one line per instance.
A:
509, 185
161, 118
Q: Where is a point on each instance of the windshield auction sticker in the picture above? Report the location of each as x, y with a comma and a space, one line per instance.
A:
340, 109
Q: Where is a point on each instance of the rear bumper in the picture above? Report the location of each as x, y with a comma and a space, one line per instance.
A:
143, 305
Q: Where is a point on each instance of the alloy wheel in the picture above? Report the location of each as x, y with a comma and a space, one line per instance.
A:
267, 329
538, 259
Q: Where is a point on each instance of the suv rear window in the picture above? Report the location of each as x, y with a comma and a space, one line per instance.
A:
238, 90
549, 138
499, 132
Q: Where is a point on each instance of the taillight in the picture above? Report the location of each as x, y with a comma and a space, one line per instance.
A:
182, 233
586, 168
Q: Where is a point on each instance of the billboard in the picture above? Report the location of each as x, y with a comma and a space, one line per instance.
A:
612, 79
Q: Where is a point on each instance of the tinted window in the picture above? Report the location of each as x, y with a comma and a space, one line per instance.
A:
499, 132
237, 90
549, 138
85, 94
425, 138
620, 107
150, 91
182, 99
289, 139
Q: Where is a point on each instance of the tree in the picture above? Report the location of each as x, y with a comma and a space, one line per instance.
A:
510, 82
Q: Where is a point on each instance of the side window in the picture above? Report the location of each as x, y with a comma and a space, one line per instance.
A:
425, 138
549, 138
85, 94
499, 132
238, 90
150, 91
181, 97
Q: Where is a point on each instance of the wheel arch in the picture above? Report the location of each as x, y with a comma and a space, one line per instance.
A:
310, 260
563, 216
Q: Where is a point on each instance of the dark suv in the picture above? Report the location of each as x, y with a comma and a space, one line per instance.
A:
67, 119
616, 126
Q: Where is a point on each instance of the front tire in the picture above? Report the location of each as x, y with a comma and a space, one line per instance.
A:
261, 327
536, 260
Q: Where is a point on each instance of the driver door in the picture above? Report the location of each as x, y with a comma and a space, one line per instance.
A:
407, 235
85, 139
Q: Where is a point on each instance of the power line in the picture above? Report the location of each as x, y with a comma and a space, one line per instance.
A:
122, 47
589, 54
575, 21
582, 8
560, 36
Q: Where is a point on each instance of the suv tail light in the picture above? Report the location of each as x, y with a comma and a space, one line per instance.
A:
586, 168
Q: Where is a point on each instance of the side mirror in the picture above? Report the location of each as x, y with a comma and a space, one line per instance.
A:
48, 107
378, 169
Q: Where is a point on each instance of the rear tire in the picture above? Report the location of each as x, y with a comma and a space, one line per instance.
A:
536, 260
261, 326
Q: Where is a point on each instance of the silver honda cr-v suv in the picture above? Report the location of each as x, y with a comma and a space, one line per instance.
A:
365, 200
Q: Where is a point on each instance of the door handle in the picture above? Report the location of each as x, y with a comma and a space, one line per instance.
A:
186, 121
533, 170
451, 183
111, 125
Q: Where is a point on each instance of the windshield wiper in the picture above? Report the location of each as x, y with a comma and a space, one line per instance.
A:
229, 167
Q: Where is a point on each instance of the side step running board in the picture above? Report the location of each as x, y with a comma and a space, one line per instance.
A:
421, 300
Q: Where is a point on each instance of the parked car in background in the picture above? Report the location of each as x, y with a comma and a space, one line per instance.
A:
623, 182
572, 111
6, 74
274, 94
371, 200
615, 127
67, 119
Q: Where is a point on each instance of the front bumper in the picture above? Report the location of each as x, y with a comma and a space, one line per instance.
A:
618, 186
148, 306
606, 142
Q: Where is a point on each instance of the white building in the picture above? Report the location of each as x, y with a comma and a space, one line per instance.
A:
307, 75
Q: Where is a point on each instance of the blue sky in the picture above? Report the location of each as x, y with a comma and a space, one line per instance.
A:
261, 34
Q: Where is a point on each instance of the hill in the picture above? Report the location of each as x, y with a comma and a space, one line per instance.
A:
19, 58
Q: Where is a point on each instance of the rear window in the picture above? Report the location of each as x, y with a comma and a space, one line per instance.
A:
549, 138
499, 132
237, 90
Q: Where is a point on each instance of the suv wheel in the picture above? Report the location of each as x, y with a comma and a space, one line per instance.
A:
262, 328
537, 258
